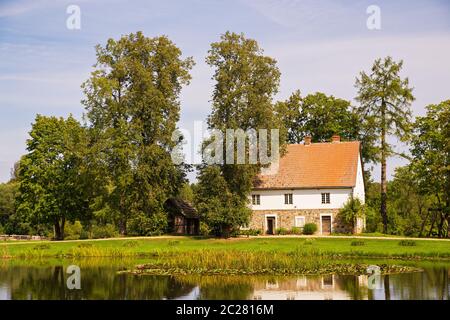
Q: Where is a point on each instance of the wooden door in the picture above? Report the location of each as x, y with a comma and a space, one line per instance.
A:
270, 225
326, 224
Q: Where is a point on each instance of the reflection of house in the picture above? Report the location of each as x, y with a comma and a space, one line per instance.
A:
309, 184
302, 288
183, 219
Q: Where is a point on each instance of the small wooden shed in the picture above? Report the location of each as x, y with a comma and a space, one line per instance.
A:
182, 217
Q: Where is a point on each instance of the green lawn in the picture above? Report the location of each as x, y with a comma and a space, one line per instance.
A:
333, 246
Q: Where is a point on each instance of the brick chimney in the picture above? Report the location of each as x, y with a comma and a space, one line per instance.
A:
335, 138
307, 140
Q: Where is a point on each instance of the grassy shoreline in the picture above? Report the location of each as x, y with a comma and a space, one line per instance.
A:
332, 247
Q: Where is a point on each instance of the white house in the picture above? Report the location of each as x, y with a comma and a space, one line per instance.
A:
313, 181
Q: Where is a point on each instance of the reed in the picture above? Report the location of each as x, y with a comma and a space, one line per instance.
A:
253, 263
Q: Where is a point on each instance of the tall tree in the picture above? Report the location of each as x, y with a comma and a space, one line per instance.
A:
245, 83
51, 180
431, 159
132, 104
385, 100
8, 193
319, 116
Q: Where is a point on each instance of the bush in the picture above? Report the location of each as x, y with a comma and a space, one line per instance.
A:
85, 245
296, 230
282, 231
143, 225
357, 243
204, 229
309, 228
250, 232
130, 244
173, 243
84, 234
407, 243
43, 246
72, 231
104, 231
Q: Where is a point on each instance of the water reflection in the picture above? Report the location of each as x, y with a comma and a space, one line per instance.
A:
102, 281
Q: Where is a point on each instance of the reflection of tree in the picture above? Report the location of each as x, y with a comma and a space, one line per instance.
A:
350, 284
103, 282
445, 285
223, 287
96, 283
387, 288
431, 284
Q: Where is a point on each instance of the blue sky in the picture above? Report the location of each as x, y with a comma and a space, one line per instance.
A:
319, 46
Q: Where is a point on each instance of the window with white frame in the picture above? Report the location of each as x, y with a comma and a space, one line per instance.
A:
256, 199
325, 198
299, 221
288, 198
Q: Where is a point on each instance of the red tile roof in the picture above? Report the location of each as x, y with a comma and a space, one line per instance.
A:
318, 165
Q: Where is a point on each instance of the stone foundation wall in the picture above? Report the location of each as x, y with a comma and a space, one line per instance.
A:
286, 219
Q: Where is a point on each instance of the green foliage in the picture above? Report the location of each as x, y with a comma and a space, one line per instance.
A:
407, 243
130, 244
132, 105
385, 100
296, 230
153, 225
351, 211
186, 193
85, 245
173, 243
245, 84
204, 229
53, 181
309, 228
319, 116
73, 230
357, 243
250, 232
281, 231
103, 231
42, 246
8, 193
431, 162
222, 210
9, 220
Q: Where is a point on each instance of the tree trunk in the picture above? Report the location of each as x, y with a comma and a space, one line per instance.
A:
59, 229
123, 216
448, 226
383, 209
422, 228
432, 224
441, 225
123, 226
387, 289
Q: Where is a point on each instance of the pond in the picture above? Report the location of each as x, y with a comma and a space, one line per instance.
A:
102, 279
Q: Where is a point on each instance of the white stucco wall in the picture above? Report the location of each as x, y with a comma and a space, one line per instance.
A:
358, 191
311, 198
302, 199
